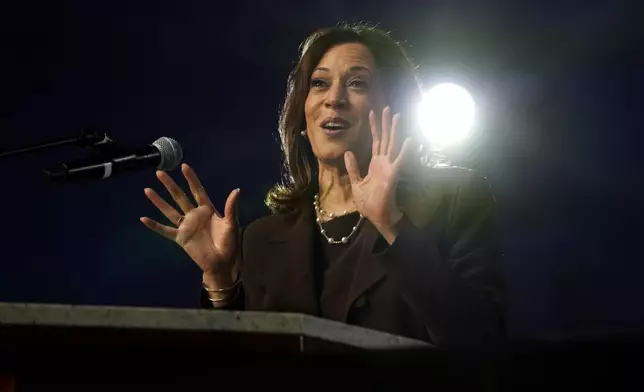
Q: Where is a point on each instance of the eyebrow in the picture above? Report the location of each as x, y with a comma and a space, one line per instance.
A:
355, 68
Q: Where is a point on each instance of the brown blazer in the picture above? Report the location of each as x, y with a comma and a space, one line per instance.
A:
440, 281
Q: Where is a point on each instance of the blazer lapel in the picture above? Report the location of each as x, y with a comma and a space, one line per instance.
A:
291, 252
368, 270
418, 204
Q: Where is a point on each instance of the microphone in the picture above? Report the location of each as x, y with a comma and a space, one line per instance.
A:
164, 154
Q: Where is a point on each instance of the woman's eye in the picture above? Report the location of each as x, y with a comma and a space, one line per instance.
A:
317, 83
359, 84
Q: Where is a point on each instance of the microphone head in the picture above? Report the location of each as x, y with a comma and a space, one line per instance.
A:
170, 151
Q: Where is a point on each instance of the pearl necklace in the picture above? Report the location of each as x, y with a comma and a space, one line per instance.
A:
320, 213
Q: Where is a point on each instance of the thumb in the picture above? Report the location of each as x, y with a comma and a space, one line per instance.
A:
351, 163
230, 209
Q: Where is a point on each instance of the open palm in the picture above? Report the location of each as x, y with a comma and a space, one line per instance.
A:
374, 194
208, 237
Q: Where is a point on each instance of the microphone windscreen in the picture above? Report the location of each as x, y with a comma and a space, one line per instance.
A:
170, 151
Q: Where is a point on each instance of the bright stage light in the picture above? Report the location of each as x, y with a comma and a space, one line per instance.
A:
446, 115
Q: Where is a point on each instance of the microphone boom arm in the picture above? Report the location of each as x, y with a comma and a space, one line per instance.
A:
83, 139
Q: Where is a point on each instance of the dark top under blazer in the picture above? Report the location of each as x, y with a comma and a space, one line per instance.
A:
440, 281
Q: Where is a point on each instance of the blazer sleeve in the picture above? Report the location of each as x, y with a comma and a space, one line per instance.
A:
456, 286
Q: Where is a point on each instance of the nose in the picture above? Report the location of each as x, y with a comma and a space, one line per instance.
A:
336, 98
336, 103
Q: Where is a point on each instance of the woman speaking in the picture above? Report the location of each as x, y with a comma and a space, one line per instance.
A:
362, 231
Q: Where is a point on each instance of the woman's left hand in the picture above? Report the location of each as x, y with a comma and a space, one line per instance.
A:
375, 194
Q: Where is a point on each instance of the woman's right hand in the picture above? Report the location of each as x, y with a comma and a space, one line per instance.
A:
210, 239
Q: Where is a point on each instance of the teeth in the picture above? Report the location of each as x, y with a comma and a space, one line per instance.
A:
334, 125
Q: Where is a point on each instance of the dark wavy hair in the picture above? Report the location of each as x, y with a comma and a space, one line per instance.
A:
400, 84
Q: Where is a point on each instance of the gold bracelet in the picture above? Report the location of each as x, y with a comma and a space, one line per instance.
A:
223, 299
220, 299
219, 303
233, 286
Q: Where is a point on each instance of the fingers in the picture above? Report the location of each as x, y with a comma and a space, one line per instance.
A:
391, 148
404, 152
351, 164
386, 127
230, 209
166, 209
194, 183
375, 135
166, 231
384, 136
175, 191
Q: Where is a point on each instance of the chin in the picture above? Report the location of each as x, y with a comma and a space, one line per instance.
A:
333, 153
332, 149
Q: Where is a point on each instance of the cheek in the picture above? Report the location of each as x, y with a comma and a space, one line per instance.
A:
365, 103
377, 102
364, 110
307, 107
311, 104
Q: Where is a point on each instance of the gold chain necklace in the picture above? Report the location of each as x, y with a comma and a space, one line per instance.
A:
320, 213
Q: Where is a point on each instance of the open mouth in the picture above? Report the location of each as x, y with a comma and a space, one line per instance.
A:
334, 125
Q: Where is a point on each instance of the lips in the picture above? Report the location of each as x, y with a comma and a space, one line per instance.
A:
334, 125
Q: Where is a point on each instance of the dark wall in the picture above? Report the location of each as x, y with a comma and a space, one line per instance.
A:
559, 92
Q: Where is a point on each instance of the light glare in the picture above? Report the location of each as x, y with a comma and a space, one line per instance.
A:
446, 115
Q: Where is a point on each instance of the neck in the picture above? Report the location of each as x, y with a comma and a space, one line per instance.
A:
335, 188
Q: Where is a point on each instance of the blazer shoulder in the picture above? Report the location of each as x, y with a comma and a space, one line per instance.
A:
265, 227
442, 188
452, 179
261, 225
453, 176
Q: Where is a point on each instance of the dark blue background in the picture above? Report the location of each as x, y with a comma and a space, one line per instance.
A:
558, 84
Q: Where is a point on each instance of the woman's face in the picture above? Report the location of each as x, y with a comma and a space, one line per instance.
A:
344, 88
